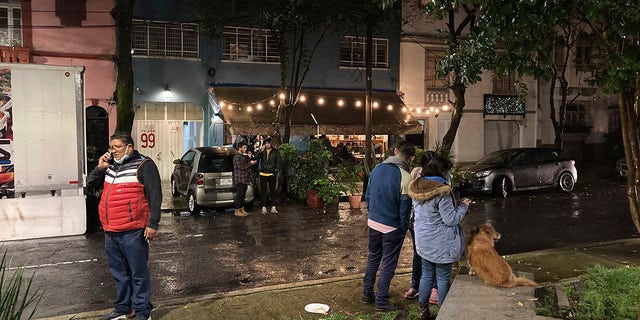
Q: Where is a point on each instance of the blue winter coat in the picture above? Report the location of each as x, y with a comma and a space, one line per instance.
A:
439, 237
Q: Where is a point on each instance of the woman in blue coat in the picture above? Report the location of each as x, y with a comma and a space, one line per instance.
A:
439, 237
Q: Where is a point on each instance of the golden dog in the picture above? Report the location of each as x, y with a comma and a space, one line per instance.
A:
487, 264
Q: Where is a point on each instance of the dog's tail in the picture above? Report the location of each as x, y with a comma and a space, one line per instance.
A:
520, 281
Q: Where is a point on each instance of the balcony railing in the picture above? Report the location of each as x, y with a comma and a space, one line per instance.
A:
14, 54
495, 104
436, 97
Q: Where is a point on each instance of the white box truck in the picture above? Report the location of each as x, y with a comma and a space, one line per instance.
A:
42, 151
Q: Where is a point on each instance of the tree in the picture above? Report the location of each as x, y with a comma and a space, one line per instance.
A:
300, 27
615, 25
122, 13
470, 49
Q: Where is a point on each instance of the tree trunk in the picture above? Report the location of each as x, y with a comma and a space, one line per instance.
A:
287, 123
456, 115
628, 103
552, 114
122, 14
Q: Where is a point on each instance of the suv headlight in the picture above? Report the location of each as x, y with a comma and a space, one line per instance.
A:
482, 174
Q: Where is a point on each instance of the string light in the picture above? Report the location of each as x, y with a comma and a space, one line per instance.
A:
303, 98
404, 109
320, 101
432, 109
358, 103
259, 106
389, 107
221, 103
249, 108
445, 107
340, 103
282, 96
271, 102
230, 107
375, 104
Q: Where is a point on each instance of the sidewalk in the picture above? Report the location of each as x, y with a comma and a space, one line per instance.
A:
468, 297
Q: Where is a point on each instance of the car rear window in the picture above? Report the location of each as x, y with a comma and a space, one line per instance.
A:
216, 163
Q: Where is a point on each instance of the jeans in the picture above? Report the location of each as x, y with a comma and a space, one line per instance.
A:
127, 256
442, 273
241, 191
384, 251
416, 266
267, 199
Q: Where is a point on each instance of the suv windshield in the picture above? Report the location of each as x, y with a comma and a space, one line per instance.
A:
216, 163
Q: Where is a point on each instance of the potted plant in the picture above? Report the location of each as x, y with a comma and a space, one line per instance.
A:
329, 190
305, 169
350, 175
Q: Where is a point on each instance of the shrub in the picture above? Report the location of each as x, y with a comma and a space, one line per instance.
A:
15, 293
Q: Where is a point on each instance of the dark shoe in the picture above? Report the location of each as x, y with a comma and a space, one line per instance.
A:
424, 313
368, 298
387, 307
141, 317
115, 315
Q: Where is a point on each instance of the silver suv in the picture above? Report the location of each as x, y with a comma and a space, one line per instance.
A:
204, 176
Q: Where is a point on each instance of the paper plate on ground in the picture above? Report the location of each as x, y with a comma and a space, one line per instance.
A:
317, 308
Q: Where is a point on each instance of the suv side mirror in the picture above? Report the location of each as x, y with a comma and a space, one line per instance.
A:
177, 161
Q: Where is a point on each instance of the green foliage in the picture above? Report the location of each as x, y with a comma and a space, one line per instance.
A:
304, 170
328, 188
349, 174
611, 294
16, 294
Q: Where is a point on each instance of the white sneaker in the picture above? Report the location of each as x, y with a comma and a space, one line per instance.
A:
264, 210
273, 209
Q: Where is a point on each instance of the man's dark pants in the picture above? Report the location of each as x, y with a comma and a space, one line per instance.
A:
241, 191
267, 199
384, 251
127, 256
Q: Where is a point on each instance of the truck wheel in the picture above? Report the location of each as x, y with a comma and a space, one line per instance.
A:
502, 187
192, 205
174, 188
566, 182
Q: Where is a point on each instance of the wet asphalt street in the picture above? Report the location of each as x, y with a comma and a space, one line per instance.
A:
218, 252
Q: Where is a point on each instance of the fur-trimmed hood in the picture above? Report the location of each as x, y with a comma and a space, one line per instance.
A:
423, 189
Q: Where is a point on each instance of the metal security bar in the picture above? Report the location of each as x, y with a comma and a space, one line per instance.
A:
165, 39
249, 45
10, 24
352, 52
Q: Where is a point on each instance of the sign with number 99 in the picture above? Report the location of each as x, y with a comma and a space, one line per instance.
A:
148, 140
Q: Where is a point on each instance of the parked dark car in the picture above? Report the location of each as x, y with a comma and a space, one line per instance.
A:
204, 176
504, 171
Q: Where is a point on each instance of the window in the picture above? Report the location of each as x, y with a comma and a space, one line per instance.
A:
249, 45
164, 39
432, 81
583, 52
577, 118
504, 84
10, 23
352, 50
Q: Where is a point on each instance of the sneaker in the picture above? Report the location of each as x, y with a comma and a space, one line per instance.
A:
368, 298
239, 213
387, 307
141, 317
264, 210
433, 298
411, 294
115, 315
273, 209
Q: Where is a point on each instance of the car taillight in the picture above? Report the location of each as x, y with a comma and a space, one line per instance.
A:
199, 179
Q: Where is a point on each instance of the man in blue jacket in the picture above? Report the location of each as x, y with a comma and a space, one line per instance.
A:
389, 208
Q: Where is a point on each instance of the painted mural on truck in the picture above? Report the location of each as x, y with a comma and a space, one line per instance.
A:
6, 135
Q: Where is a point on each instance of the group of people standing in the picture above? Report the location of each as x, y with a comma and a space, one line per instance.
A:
268, 161
422, 200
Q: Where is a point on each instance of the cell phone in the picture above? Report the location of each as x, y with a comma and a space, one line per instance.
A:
111, 160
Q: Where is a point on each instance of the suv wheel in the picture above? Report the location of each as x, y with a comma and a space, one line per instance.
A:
174, 188
566, 182
502, 187
192, 205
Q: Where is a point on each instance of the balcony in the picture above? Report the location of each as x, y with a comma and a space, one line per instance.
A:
14, 54
436, 96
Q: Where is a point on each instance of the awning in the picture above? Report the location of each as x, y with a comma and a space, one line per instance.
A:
247, 110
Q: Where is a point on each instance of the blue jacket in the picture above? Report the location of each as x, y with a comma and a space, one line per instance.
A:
387, 194
439, 237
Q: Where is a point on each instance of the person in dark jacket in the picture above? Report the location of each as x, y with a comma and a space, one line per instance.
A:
389, 208
241, 176
270, 163
129, 211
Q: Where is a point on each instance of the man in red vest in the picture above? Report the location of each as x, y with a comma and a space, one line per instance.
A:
130, 213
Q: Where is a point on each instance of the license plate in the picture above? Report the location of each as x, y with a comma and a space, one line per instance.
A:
226, 181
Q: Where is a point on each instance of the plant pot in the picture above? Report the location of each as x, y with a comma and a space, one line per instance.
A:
354, 201
313, 199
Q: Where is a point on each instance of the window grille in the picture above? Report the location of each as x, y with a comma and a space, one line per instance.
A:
165, 39
578, 116
583, 52
432, 81
352, 50
504, 84
503, 105
10, 23
249, 45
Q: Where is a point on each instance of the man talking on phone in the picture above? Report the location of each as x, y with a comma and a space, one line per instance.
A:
130, 213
